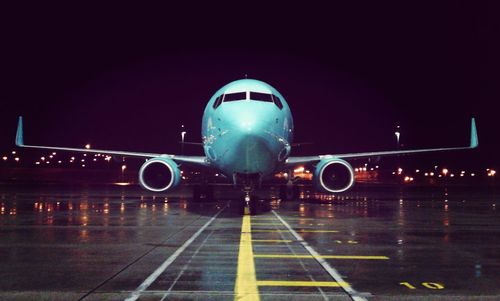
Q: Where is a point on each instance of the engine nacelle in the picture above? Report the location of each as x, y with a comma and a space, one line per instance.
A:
159, 174
333, 175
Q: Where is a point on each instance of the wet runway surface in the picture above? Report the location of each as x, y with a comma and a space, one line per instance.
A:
115, 243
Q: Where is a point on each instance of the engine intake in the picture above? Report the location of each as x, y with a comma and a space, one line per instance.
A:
333, 175
159, 174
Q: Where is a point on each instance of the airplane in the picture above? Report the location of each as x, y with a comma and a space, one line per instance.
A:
247, 134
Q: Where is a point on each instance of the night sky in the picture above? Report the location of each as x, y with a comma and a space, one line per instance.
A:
127, 77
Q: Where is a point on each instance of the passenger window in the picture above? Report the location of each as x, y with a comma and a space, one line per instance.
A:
217, 102
235, 96
261, 96
277, 101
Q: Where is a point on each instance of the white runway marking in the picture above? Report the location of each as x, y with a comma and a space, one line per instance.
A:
356, 296
141, 288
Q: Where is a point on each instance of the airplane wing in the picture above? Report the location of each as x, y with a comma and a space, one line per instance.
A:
474, 142
197, 160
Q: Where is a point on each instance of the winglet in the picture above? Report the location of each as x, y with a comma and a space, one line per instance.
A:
19, 133
474, 142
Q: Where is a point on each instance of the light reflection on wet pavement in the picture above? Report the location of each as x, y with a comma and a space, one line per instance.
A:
102, 243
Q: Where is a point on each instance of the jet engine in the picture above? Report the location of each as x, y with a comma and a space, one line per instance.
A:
333, 175
159, 174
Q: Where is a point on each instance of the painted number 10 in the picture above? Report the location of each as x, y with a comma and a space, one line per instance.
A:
429, 285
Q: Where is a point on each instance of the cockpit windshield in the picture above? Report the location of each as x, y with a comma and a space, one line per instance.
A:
254, 96
234, 96
261, 96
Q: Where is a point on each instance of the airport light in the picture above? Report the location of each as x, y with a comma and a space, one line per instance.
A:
398, 134
124, 167
13, 152
17, 159
400, 170
4, 158
183, 135
299, 169
87, 146
37, 163
42, 158
59, 161
472, 174
445, 171
431, 174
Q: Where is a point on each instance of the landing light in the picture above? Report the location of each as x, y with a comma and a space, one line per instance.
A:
122, 184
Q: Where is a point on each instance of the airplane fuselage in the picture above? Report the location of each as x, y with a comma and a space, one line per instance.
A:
247, 129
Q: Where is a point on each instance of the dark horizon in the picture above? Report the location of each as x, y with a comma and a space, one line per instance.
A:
128, 80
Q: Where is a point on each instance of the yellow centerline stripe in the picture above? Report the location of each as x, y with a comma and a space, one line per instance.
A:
302, 283
272, 240
246, 282
321, 256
